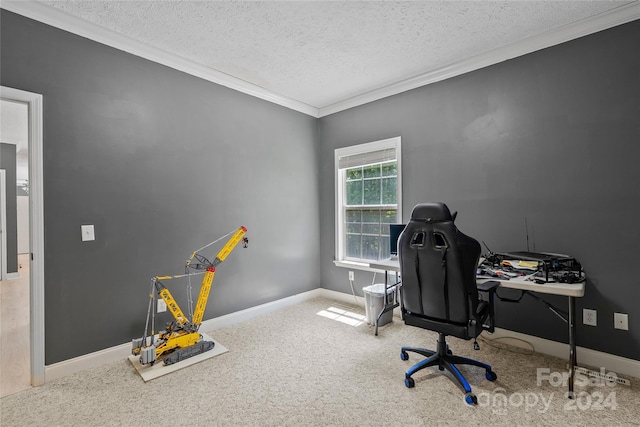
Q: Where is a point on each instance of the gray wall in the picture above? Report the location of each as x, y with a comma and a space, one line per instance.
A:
161, 163
8, 163
553, 137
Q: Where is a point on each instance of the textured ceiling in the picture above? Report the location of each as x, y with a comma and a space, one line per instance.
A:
322, 53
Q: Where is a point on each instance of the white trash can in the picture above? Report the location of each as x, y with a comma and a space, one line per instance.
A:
374, 302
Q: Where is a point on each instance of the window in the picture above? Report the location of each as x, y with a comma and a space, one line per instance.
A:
368, 199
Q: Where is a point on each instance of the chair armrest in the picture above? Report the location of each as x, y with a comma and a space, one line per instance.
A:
488, 286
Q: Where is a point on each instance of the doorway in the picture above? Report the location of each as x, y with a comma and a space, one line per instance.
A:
3, 225
14, 250
34, 259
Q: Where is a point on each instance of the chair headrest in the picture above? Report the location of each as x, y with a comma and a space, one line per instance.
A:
432, 212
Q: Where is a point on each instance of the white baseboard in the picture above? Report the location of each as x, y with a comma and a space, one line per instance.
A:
586, 357
243, 315
123, 351
87, 361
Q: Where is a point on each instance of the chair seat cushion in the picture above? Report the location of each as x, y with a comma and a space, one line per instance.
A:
463, 331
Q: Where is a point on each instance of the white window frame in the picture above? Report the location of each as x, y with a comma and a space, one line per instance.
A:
340, 178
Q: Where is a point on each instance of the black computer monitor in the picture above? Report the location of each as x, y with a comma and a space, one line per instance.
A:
394, 233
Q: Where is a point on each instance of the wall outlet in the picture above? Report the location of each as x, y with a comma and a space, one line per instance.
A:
351, 278
88, 233
621, 321
589, 317
162, 306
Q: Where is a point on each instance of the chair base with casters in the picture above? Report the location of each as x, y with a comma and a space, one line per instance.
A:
445, 359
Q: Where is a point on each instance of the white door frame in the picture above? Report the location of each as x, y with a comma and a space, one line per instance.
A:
3, 225
36, 227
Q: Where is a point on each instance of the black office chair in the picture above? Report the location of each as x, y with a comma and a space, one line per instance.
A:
438, 272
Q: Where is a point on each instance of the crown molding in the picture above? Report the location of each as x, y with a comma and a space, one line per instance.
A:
59, 19
614, 17
54, 17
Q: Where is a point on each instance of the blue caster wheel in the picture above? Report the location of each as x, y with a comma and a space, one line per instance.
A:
409, 382
491, 376
471, 399
404, 355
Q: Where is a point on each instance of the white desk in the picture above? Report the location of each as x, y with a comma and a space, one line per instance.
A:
570, 290
552, 288
386, 265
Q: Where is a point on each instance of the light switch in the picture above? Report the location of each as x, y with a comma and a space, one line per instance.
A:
87, 233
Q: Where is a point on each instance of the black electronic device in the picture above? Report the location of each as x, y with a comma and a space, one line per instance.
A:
554, 267
394, 233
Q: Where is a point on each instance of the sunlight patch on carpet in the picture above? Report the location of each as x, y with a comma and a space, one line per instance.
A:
344, 316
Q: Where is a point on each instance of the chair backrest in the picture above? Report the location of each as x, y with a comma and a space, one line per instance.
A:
438, 266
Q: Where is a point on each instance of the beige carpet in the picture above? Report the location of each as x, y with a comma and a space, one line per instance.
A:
295, 367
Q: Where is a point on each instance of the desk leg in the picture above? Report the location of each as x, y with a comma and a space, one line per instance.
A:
572, 344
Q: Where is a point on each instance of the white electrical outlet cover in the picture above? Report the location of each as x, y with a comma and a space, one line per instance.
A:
88, 233
621, 321
589, 317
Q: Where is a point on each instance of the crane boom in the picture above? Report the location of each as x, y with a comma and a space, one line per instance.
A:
231, 244
172, 305
203, 297
184, 338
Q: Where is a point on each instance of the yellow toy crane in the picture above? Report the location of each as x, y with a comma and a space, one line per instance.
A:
181, 339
